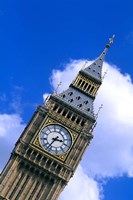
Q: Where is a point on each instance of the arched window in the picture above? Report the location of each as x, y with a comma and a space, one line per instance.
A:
59, 110
82, 84
92, 88
55, 107
70, 93
80, 105
78, 120
85, 86
79, 82
73, 118
88, 88
78, 97
71, 100
86, 102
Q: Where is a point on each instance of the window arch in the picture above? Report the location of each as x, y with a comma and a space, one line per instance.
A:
79, 82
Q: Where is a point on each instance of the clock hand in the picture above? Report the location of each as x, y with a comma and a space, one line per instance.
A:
59, 140
50, 144
54, 139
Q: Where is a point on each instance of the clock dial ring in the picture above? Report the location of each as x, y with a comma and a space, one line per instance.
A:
55, 139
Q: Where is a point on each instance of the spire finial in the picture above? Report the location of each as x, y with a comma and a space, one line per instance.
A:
59, 84
111, 40
94, 70
105, 73
86, 61
96, 116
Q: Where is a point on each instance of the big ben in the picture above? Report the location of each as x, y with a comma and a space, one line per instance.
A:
51, 146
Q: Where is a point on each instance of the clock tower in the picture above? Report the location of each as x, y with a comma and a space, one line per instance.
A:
51, 146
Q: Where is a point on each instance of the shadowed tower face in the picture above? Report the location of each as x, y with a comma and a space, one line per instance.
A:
50, 148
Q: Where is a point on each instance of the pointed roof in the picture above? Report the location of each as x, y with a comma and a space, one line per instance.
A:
94, 70
75, 99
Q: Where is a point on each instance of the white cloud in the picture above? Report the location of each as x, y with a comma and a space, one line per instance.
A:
11, 127
67, 75
81, 187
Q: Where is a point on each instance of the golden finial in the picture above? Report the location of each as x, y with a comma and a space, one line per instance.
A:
105, 73
92, 128
111, 40
83, 67
96, 116
59, 84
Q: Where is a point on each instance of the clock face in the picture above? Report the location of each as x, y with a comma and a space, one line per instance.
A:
55, 139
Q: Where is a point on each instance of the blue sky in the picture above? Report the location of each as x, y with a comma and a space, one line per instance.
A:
37, 37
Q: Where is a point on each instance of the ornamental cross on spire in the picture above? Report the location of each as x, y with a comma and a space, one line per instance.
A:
59, 84
111, 40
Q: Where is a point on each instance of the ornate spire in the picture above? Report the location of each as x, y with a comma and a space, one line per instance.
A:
94, 70
81, 93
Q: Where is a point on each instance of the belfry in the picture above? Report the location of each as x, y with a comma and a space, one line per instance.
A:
51, 146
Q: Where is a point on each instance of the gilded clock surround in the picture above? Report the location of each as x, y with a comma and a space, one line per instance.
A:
55, 139
36, 143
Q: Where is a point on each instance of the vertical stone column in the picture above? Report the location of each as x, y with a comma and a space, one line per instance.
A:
33, 184
10, 173
22, 188
15, 189
12, 184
